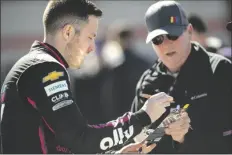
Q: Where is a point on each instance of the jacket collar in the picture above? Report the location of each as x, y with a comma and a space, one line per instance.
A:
49, 49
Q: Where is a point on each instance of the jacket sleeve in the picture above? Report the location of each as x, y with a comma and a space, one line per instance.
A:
223, 98
138, 100
46, 86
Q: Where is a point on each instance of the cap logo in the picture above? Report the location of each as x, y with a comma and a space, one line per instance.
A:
174, 19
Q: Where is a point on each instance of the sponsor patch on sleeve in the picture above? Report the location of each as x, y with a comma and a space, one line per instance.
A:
52, 76
62, 104
60, 97
56, 87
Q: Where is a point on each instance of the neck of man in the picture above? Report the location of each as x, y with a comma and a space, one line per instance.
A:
55, 42
202, 40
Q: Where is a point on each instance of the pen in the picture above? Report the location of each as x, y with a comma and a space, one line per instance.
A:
185, 109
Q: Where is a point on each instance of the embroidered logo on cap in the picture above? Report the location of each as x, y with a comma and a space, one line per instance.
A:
174, 19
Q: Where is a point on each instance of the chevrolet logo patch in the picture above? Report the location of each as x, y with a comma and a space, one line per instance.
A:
53, 76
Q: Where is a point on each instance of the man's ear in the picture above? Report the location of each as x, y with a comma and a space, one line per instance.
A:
190, 30
68, 32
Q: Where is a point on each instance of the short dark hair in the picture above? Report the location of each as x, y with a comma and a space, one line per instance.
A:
197, 23
58, 13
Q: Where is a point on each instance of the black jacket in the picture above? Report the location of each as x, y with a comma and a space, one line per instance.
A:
40, 115
204, 82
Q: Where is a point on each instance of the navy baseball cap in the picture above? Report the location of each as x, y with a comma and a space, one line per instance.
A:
165, 17
229, 26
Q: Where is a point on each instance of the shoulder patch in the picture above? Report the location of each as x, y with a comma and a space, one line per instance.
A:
52, 76
56, 87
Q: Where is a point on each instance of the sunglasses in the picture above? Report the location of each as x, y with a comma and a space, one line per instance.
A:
160, 39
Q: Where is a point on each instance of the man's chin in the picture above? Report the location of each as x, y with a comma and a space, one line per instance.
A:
75, 66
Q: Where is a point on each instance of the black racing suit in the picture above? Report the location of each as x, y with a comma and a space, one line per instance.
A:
204, 82
40, 115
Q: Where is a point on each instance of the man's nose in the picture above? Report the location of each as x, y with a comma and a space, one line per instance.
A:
166, 43
92, 47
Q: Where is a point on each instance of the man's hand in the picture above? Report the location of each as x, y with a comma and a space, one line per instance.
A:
136, 148
155, 105
179, 128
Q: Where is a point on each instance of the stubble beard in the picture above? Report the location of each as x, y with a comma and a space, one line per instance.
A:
75, 57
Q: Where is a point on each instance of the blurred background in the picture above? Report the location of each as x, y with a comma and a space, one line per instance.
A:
105, 85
